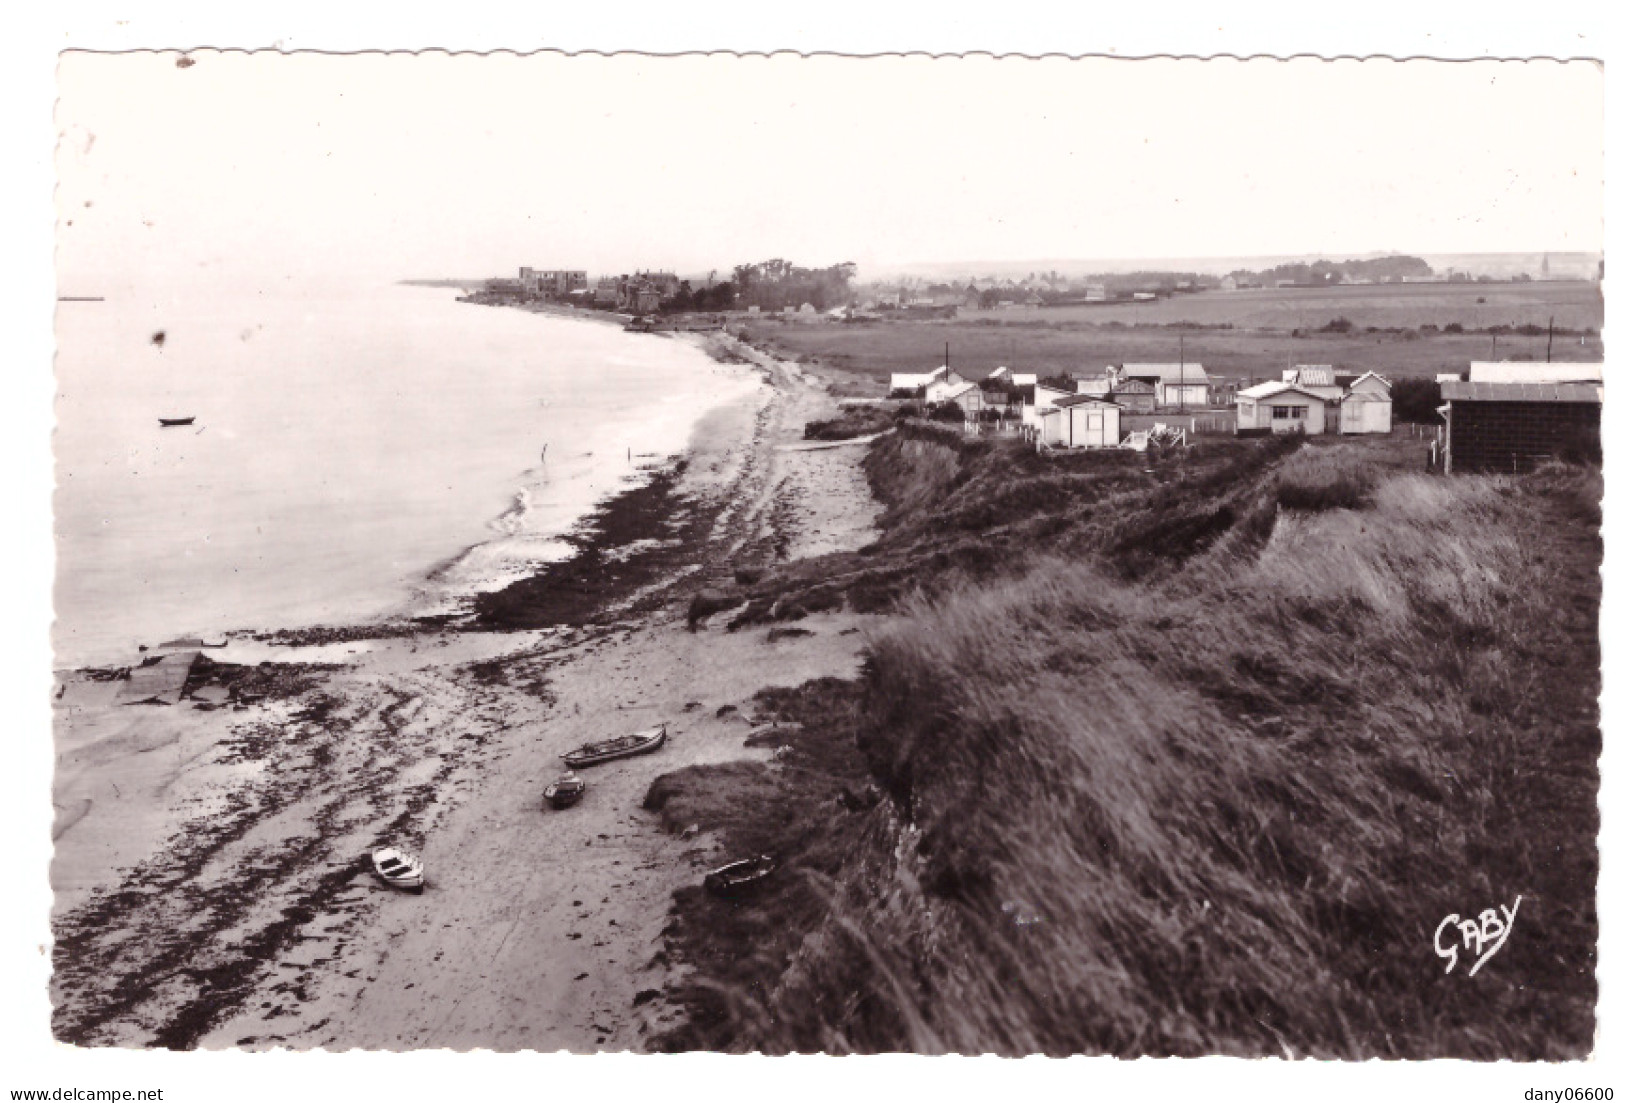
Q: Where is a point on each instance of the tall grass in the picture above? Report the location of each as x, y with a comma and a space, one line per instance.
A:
1227, 818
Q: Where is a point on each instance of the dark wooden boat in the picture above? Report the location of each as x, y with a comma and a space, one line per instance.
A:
625, 746
171, 422
566, 791
741, 876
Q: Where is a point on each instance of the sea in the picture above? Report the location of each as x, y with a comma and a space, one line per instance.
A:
356, 453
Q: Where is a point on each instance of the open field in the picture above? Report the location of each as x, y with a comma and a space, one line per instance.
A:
1085, 339
1575, 304
873, 351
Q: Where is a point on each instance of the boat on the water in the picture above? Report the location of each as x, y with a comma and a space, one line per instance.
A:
398, 869
625, 746
171, 422
740, 876
566, 791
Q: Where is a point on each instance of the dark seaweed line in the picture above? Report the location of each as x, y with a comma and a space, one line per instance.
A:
78, 959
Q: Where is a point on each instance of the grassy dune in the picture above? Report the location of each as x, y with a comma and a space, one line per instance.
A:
1203, 772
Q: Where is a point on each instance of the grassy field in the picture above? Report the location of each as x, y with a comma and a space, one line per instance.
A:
1574, 304
1179, 761
1084, 340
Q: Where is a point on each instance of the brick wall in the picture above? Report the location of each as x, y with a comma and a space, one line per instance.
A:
1513, 436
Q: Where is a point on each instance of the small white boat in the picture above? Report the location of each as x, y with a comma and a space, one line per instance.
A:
398, 869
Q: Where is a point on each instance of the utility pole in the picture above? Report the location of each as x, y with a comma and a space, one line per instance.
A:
1550, 319
1181, 373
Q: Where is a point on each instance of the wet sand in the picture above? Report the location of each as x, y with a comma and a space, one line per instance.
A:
210, 863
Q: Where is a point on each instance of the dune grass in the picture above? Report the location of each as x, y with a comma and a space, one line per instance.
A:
1204, 772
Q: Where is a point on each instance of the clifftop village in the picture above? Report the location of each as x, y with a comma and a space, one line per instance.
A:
1497, 416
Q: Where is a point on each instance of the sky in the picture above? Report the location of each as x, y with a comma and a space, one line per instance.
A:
308, 167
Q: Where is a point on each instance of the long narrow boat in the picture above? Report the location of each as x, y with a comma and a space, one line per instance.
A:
171, 422
625, 746
736, 877
398, 869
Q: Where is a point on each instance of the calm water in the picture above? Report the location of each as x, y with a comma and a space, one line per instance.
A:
347, 444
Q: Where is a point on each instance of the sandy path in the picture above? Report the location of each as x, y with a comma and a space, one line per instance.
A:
218, 898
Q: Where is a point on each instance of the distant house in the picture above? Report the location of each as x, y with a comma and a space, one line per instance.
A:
967, 395
646, 300
1024, 379
1280, 408
1510, 427
913, 381
1099, 386
665, 284
1318, 379
503, 286
1172, 384
1095, 293
1221, 391
1081, 421
552, 283
949, 382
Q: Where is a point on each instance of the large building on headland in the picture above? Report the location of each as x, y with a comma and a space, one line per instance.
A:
552, 283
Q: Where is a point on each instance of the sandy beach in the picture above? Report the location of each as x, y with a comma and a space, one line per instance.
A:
210, 876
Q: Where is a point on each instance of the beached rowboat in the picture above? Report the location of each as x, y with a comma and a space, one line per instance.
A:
591, 754
740, 876
565, 791
170, 422
398, 868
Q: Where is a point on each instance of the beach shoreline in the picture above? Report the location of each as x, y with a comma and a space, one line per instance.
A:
255, 809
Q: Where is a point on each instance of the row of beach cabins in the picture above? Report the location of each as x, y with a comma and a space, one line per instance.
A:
1499, 416
1105, 410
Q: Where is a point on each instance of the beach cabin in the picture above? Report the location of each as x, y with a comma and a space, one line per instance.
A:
1134, 395
1368, 406
1172, 384
967, 395
949, 382
908, 384
1081, 421
1510, 427
1044, 397
1280, 408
